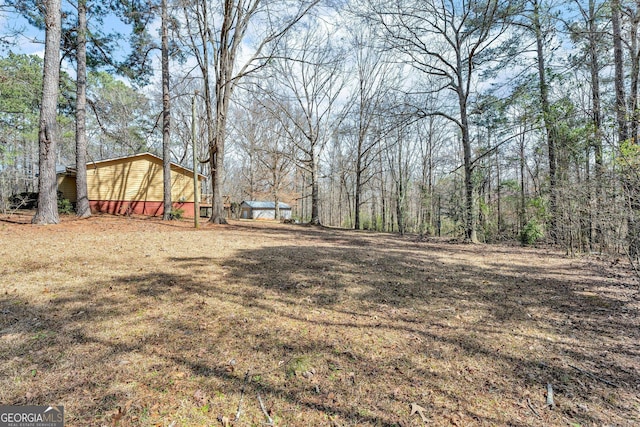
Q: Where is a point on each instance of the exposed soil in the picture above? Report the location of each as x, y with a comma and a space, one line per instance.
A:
139, 322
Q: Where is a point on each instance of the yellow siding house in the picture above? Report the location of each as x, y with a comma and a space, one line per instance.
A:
132, 185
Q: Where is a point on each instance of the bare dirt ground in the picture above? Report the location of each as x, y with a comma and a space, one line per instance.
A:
135, 322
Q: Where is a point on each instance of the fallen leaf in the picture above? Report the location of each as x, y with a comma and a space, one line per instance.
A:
115, 418
200, 397
352, 377
417, 409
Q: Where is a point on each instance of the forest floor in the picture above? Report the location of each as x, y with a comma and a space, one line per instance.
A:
139, 322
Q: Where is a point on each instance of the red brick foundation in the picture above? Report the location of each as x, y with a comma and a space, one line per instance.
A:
121, 207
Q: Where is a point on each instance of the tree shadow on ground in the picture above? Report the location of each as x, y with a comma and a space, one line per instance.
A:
340, 326
573, 332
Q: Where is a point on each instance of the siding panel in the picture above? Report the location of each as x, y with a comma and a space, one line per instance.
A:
67, 185
132, 185
138, 179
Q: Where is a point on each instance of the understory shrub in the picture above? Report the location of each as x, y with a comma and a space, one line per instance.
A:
531, 232
176, 214
65, 207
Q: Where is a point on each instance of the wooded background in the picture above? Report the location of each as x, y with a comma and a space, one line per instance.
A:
486, 120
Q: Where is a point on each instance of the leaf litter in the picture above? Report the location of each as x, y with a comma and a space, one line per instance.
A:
143, 322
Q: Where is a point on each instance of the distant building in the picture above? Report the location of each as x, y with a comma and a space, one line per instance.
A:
132, 185
253, 209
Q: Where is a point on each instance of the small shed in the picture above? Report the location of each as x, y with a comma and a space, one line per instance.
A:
132, 185
254, 209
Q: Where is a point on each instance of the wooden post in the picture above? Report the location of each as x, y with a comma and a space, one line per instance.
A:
196, 196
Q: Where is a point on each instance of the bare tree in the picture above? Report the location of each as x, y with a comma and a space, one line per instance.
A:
431, 136
247, 128
310, 82
621, 109
450, 42
399, 152
263, 147
47, 212
276, 159
216, 37
375, 81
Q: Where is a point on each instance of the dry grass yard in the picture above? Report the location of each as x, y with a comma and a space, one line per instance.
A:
135, 322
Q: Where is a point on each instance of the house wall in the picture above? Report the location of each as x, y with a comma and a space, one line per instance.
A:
285, 213
138, 179
132, 186
67, 185
120, 207
264, 214
249, 213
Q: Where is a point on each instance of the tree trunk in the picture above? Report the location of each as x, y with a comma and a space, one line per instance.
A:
202, 56
430, 178
548, 124
303, 198
358, 189
522, 211
632, 186
597, 120
400, 214
315, 192
430, 185
634, 75
47, 212
633, 222
383, 197
499, 194
194, 151
83, 210
166, 117
621, 110
439, 220
217, 153
224, 61
633, 233
470, 218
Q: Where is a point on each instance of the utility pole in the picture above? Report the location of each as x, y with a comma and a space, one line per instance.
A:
196, 196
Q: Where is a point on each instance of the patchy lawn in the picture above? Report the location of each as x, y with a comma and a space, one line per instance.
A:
135, 322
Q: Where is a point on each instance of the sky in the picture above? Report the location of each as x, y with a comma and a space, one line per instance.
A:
30, 40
